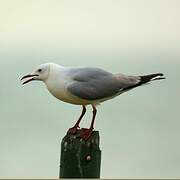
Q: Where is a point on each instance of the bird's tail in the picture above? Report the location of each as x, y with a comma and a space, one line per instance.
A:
151, 77
145, 79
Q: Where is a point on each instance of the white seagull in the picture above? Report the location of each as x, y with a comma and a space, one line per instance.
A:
85, 86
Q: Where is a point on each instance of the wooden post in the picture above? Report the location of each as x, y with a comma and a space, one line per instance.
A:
80, 158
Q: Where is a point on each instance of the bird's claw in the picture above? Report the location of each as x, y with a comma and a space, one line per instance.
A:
73, 130
85, 133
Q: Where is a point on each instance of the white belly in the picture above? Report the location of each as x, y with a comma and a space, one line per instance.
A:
60, 92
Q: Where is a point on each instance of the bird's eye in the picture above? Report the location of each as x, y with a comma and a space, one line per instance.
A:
39, 70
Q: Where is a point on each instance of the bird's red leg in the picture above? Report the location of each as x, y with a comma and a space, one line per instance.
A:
74, 129
85, 133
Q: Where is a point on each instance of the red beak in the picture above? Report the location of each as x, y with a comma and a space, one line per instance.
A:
30, 76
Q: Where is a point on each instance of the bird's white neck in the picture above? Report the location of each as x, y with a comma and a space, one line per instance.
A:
56, 82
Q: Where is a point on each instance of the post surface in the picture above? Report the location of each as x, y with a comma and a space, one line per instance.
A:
80, 158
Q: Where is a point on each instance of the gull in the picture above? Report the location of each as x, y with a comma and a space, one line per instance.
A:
85, 86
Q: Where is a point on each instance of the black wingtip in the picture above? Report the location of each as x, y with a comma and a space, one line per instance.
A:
159, 74
160, 78
151, 77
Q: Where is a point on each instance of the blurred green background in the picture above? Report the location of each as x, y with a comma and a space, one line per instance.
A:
139, 130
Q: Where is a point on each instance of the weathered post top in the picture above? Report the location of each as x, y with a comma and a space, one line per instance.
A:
80, 158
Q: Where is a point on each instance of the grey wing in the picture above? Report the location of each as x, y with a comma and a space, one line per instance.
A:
86, 74
94, 84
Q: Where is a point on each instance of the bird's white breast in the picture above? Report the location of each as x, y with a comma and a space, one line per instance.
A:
57, 83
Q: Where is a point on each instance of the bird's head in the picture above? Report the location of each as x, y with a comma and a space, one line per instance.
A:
40, 73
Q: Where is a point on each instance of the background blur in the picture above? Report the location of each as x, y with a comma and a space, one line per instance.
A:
139, 130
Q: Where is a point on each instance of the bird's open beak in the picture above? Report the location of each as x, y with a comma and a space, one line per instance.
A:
30, 78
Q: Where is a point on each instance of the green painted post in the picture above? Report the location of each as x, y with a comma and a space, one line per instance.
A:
80, 158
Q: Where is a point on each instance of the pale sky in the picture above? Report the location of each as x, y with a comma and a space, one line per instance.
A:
139, 130
114, 24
